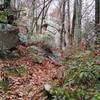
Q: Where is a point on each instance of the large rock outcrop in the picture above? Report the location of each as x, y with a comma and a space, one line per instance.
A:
9, 38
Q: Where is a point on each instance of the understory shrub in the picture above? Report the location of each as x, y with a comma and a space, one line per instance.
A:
82, 80
47, 38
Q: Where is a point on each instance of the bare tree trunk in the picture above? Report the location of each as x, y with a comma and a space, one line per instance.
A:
46, 5
73, 24
44, 13
63, 25
97, 22
42, 19
78, 21
33, 10
68, 11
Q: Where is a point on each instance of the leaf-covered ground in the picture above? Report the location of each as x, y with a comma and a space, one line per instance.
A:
28, 86
24, 78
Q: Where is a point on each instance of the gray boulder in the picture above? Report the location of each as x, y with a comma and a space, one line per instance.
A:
9, 37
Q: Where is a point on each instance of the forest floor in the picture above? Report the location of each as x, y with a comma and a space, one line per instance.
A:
23, 79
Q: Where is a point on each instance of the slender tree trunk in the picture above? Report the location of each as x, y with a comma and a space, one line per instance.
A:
33, 10
63, 25
46, 5
73, 24
68, 11
97, 22
78, 21
42, 19
46, 11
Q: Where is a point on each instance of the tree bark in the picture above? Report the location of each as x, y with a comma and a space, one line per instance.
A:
78, 21
63, 25
97, 22
73, 24
68, 11
42, 19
